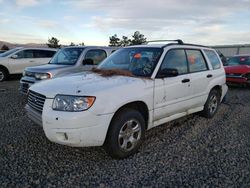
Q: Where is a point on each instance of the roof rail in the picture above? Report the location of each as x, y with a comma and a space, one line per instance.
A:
179, 41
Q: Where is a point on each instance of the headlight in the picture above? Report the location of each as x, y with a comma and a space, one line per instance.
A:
72, 103
43, 76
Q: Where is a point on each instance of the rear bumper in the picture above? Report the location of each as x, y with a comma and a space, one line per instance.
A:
224, 91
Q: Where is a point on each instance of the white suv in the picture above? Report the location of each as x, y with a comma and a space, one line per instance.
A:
16, 60
135, 89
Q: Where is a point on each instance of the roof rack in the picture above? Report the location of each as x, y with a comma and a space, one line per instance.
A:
179, 41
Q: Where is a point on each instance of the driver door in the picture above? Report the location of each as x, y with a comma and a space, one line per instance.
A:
22, 59
171, 94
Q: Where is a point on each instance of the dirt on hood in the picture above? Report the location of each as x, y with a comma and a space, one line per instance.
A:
112, 72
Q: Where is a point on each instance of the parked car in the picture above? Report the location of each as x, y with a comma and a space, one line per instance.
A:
14, 61
67, 60
133, 90
2, 51
238, 69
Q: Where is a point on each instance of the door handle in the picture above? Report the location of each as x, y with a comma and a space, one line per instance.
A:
185, 80
31, 61
209, 76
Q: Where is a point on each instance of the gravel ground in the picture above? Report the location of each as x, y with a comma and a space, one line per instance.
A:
192, 151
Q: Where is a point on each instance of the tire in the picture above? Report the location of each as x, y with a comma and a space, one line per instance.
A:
3, 75
126, 133
212, 104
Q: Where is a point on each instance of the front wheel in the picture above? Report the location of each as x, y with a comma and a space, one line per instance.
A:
125, 134
212, 104
3, 75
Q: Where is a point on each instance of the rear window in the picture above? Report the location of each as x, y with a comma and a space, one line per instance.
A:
239, 60
213, 58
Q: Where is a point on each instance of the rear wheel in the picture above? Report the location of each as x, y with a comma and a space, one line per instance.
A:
212, 104
3, 75
125, 134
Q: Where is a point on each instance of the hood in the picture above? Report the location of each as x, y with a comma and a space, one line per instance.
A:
237, 69
46, 68
87, 84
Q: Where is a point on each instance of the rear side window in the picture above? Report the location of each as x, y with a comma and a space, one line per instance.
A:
175, 59
213, 58
96, 55
25, 54
196, 61
43, 53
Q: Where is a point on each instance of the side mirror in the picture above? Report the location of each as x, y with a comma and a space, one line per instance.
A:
14, 56
88, 62
167, 73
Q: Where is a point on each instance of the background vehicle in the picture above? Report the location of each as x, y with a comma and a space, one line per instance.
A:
2, 51
135, 89
68, 60
238, 69
14, 61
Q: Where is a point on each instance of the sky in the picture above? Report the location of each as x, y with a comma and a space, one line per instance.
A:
213, 22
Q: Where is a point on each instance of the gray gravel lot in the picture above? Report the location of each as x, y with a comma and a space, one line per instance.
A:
192, 151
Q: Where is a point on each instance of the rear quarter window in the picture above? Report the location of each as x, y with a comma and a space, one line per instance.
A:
213, 58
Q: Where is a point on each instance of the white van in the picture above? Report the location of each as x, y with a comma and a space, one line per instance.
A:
16, 60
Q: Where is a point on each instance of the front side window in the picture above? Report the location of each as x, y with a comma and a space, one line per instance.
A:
196, 61
25, 54
67, 56
213, 58
239, 60
175, 59
138, 61
96, 55
5, 54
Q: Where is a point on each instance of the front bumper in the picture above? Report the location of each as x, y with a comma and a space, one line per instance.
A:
25, 84
76, 129
237, 79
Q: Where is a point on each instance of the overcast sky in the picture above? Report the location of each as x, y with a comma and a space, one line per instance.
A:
93, 21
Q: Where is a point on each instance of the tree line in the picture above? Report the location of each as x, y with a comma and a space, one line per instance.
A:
136, 39
114, 41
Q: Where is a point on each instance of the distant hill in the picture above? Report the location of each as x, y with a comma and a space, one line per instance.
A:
13, 45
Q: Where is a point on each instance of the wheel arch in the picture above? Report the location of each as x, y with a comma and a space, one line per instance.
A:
217, 88
136, 105
5, 68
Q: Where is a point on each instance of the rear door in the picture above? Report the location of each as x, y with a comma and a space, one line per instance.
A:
200, 76
42, 56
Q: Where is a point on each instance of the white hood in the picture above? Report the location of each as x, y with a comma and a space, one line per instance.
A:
87, 84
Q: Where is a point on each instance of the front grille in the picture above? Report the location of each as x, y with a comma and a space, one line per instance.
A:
36, 101
24, 88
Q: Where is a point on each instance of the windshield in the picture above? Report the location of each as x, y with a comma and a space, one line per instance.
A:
5, 54
137, 61
66, 56
239, 60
